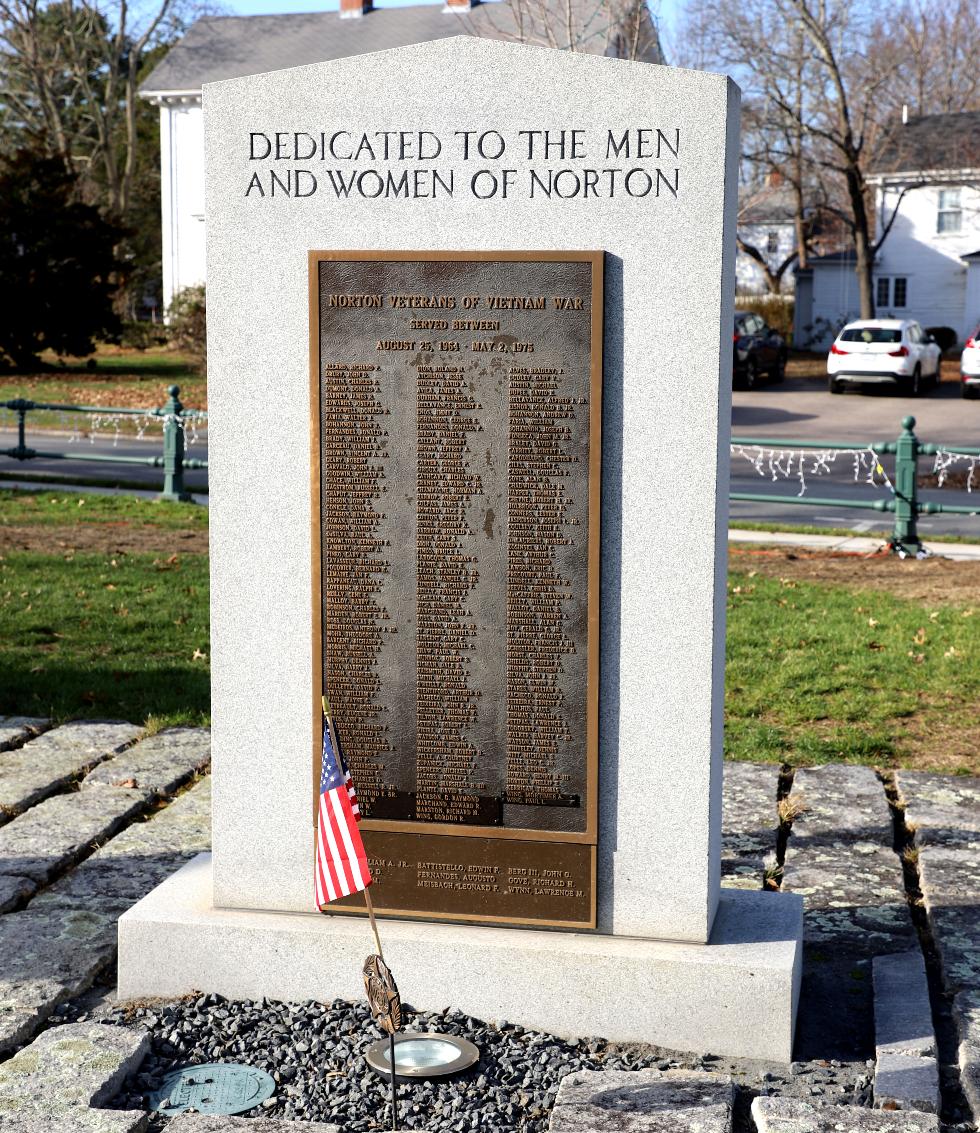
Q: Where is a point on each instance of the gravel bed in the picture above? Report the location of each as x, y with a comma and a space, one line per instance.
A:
315, 1052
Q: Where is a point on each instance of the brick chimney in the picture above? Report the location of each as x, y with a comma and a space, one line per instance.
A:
354, 9
458, 5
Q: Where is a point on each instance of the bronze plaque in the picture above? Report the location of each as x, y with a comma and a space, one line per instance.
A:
456, 402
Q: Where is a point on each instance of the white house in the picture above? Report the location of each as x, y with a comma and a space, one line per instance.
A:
766, 221
225, 47
927, 187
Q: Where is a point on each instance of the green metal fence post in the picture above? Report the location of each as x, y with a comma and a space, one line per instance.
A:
173, 450
905, 537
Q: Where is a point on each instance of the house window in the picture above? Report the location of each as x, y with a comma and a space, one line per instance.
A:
881, 299
950, 215
900, 293
772, 243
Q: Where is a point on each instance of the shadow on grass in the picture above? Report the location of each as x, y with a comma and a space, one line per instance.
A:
174, 694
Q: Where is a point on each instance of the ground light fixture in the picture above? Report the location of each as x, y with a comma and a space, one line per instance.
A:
423, 1055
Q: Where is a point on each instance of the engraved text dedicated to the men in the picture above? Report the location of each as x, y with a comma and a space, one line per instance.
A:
458, 443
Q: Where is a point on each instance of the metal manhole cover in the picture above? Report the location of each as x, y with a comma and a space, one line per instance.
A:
215, 1087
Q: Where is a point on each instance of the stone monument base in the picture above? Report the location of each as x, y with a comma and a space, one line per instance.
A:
736, 995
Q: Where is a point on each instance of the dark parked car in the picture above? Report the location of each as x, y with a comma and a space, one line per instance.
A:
758, 350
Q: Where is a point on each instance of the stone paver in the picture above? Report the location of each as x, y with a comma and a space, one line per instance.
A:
78, 1121
61, 942
643, 1101
207, 1123
853, 892
950, 874
788, 1115
79, 1064
839, 857
13, 891
16, 730
41, 842
749, 822
906, 1067
966, 1015
942, 808
905, 1082
903, 1014
944, 811
157, 765
45, 764
950, 879
841, 801
125, 869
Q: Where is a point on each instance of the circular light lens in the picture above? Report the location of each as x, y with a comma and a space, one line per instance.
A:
420, 1054
423, 1055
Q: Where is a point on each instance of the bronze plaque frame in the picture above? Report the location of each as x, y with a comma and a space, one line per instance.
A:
585, 840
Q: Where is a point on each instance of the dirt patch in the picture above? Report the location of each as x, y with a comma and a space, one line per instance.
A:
933, 581
813, 367
109, 538
929, 742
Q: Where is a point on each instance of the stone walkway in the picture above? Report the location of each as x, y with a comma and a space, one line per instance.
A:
93, 815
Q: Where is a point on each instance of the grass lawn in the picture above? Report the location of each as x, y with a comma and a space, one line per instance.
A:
104, 613
882, 531
121, 379
103, 608
838, 658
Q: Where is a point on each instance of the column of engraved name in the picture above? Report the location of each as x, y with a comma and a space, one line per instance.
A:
447, 574
537, 592
355, 561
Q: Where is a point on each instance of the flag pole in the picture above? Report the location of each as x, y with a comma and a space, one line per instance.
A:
367, 892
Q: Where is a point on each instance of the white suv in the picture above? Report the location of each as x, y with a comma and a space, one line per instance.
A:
970, 366
885, 351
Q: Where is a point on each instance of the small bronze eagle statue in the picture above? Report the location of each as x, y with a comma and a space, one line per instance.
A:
382, 994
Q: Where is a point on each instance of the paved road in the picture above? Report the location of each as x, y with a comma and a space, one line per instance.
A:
803, 409
109, 473
796, 410
821, 515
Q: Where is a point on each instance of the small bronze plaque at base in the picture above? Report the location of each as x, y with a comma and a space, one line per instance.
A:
478, 879
456, 421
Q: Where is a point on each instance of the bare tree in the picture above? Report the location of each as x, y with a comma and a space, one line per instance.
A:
823, 106
623, 29
70, 71
936, 39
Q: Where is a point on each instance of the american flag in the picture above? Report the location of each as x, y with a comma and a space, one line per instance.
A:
341, 864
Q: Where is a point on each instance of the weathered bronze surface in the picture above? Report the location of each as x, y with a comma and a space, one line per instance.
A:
478, 879
456, 413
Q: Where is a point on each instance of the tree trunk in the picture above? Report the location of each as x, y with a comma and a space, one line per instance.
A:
863, 249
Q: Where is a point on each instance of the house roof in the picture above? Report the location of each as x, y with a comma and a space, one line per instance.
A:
772, 204
933, 142
845, 257
228, 47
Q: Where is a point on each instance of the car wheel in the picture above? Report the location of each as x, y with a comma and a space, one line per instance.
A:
779, 370
967, 392
751, 374
914, 385
834, 386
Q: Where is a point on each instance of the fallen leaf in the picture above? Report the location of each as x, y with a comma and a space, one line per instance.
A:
199, 656
871, 622
920, 636
132, 783
876, 646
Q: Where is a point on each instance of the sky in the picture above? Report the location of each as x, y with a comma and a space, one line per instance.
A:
667, 8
